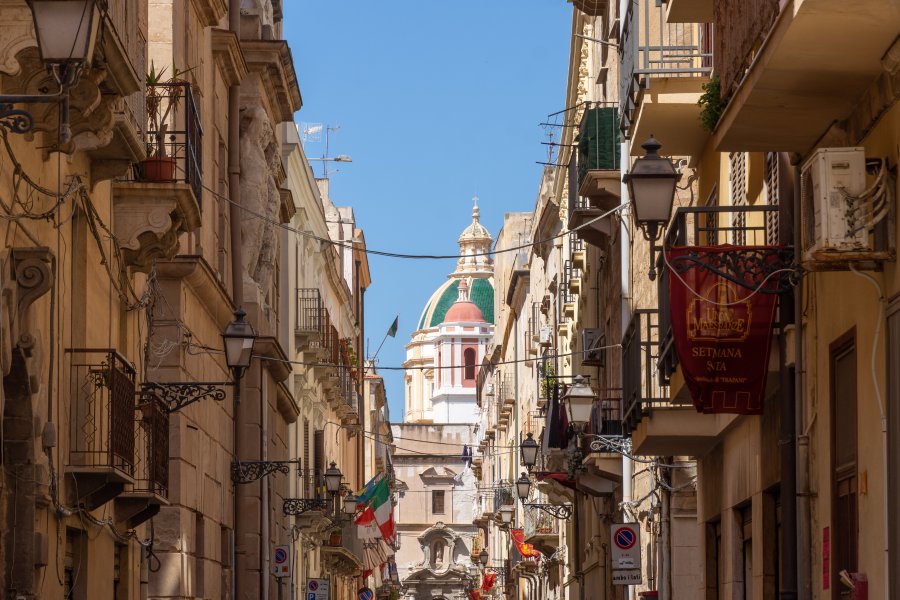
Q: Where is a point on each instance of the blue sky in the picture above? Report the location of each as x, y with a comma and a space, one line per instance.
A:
436, 102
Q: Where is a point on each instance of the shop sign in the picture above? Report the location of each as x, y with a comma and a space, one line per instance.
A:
722, 330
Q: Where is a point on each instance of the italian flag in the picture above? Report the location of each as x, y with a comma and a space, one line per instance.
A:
378, 511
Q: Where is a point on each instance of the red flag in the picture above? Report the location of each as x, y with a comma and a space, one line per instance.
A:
722, 330
526, 550
487, 584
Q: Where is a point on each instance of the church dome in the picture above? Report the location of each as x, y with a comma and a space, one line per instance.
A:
464, 310
481, 295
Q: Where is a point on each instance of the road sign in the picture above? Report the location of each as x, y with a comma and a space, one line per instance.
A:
626, 553
282, 561
629, 577
366, 594
317, 589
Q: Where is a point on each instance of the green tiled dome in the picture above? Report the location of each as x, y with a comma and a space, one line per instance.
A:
481, 294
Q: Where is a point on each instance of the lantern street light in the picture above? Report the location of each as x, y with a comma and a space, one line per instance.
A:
529, 449
239, 338
66, 34
523, 487
580, 401
333, 477
350, 504
506, 513
651, 186
483, 557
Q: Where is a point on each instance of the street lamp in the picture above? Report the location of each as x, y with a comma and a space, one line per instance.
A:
66, 33
523, 487
350, 504
239, 338
580, 400
338, 158
651, 186
483, 557
529, 449
66, 30
333, 477
506, 513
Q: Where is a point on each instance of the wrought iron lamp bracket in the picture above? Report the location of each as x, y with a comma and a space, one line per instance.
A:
177, 395
253, 470
298, 506
771, 269
557, 511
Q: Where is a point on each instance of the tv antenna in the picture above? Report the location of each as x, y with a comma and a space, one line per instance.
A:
311, 132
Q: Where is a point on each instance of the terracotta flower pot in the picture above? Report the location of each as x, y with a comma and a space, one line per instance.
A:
334, 539
159, 168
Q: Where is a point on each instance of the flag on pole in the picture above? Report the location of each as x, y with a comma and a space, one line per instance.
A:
378, 509
393, 330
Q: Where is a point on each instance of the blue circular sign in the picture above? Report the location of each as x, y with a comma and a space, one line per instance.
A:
366, 594
624, 538
280, 556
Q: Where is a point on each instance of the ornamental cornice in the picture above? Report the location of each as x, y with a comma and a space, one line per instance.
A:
229, 58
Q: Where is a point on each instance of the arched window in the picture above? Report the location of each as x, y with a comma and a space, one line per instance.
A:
469, 362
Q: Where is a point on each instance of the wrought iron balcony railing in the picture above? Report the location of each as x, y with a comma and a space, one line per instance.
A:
101, 421
641, 387
503, 496
708, 226
310, 312
539, 522
151, 470
173, 149
651, 48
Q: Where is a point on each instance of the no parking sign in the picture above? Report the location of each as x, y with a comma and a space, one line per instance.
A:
626, 553
282, 561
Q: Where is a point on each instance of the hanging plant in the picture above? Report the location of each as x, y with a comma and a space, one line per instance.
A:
712, 104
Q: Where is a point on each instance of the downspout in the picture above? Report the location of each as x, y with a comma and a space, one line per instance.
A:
237, 260
360, 370
264, 541
625, 265
788, 430
664, 584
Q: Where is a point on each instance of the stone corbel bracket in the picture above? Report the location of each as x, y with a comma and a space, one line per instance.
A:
26, 276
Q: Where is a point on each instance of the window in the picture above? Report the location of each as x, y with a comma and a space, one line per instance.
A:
844, 440
737, 180
772, 183
437, 502
469, 362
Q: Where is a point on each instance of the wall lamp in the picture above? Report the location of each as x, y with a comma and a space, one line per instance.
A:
66, 34
557, 511
651, 186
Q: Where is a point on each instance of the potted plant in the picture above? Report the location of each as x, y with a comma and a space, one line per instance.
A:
334, 537
163, 99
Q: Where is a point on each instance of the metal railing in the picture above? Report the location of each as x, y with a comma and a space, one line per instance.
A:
651, 48
641, 387
323, 343
101, 422
503, 496
598, 140
708, 226
173, 152
151, 469
309, 311
538, 522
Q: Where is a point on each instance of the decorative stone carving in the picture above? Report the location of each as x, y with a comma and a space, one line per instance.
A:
101, 121
148, 217
259, 194
26, 277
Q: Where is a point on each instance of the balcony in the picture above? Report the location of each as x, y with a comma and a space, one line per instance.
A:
503, 496
142, 500
791, 74
664, 67
160, 199
592, 8
594, 180
101, 457
342, 553
310, 314
689, 11
541, 529
606, 422
313, 506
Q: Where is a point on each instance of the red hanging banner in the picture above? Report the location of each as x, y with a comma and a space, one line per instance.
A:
722, 330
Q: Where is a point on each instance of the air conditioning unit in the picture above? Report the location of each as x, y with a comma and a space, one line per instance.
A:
592, 343
828, 181
545, 336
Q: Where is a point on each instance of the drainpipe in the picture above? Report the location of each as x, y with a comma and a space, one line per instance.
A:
237, 260
361, 440
625, 265
264, 542
790, 401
